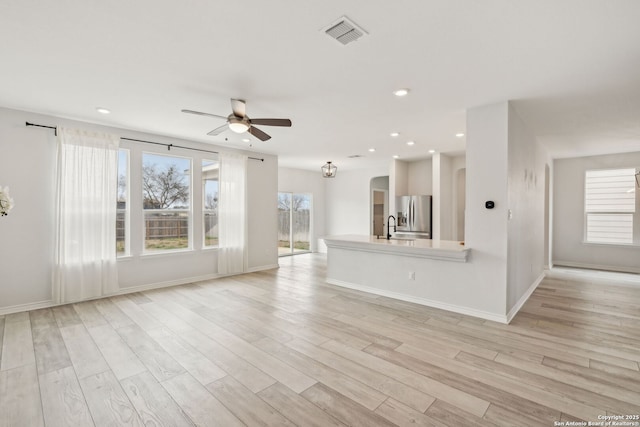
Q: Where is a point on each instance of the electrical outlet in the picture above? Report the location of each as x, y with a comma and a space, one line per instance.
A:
412, 275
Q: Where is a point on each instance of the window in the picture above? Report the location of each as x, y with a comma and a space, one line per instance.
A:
166, 187
122, 208
294, 223
210, 188
610, 205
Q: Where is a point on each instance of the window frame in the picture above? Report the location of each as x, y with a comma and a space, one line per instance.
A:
633, 214
190, 244
127, 211
204, 202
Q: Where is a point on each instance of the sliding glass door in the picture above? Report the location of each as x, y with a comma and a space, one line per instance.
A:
294, 223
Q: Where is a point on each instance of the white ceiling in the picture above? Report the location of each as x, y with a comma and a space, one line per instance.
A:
572, 68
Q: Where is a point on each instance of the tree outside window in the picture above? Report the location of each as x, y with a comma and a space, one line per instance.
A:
166, 202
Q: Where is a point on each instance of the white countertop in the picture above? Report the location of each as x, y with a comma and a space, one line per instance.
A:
445, 250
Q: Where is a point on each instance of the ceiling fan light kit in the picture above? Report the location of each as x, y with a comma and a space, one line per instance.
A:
239, 122
237, 125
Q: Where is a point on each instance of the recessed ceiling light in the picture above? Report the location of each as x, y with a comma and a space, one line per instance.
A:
432, 151
459, 135
394, 134
395, 156
371, 150
103, 110
246, 140
401, 92
410, 142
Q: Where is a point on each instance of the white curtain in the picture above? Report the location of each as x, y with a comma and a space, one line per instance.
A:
86, 192
232, 214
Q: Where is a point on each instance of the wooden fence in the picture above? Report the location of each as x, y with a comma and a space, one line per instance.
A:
301, 225
167, 225
158, 226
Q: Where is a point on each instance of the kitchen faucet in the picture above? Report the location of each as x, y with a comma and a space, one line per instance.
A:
388, 225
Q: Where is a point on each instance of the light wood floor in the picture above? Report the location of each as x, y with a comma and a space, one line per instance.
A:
282, 348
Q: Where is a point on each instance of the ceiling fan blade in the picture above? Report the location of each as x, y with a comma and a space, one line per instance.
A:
200, 113
219, 130
258, 133
239, 107
272, 122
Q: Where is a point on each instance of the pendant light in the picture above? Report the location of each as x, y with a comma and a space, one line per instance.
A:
329, 170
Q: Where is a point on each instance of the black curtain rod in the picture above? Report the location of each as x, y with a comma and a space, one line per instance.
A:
169, 146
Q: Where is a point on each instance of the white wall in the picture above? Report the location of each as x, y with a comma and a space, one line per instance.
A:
26, 253
309, 182
568, 216
438, 283
27, 161
419, 178
442, 198
399, 178
458, 179
348, 201
262, 205
486, 229
398, 183
380, 183
458, 162
526, 202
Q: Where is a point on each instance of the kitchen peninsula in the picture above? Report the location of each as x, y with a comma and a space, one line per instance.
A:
434, 273
445, 250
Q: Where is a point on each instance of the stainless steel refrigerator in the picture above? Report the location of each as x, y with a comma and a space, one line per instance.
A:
414, 216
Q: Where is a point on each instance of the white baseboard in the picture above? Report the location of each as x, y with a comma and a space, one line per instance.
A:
167, 284
423, 301
128, 290
25, 307
561, 263
122, 291
596, 276
263, 267
516, 308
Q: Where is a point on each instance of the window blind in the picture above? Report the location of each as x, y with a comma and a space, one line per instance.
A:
609, 205
610, 228
610, 190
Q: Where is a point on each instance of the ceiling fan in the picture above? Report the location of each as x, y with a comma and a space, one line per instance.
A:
239, 122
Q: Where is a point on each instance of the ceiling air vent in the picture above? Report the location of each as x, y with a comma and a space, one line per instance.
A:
345, 31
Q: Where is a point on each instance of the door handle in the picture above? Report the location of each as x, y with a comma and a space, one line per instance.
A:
413, 213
